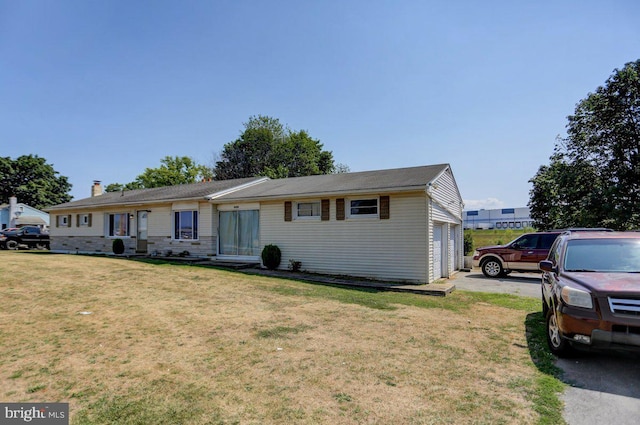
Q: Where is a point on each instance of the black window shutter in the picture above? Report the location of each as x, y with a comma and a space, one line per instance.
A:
287, 211
340, 209
384, 208
324, 210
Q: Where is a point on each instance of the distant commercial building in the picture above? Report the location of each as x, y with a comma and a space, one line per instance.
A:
504, 218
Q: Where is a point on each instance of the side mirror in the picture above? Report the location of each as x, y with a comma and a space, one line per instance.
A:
546, 266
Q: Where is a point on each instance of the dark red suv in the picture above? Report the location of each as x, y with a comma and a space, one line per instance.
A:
591, 291
522, 254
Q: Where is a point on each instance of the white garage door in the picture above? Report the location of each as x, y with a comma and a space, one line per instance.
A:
437, 251
452, 249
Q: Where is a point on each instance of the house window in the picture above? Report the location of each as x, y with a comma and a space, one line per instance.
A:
63, 220
308, 210
118, 224
185, 225
363, 207
84, 220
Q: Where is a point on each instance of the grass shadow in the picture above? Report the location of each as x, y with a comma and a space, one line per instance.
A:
549, 384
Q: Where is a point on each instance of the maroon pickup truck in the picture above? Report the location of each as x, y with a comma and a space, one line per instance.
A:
30, 237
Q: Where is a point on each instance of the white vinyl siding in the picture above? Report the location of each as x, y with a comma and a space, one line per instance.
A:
393, 249
447, 204
207, 220
159, 222
445, 207
96, 228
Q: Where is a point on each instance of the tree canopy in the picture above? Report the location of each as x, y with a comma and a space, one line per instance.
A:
593, 178
34, 182
173, 171
267, 148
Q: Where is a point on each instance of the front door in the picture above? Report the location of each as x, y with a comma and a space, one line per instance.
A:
141, 246
239, 233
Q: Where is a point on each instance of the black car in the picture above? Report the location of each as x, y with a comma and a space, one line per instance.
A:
25, 237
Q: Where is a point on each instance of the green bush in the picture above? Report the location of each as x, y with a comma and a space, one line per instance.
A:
468, 243
271, 256
118, 246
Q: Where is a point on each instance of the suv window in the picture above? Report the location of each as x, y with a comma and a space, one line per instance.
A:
554, 253
547, 240
527, 242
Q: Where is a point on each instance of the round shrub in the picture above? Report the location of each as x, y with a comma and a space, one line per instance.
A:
271, 257
118, 246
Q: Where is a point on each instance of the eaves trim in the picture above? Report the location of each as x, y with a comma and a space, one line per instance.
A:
335, 193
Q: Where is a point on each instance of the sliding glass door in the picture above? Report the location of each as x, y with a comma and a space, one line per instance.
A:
239, 233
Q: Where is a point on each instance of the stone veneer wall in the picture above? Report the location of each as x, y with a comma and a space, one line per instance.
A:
89, 244
204, 247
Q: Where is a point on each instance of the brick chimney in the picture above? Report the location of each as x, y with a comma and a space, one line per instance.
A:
96, 189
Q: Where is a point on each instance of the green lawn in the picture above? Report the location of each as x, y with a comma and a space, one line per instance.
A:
131, 342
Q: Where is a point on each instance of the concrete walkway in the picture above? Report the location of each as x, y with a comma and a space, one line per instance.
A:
433, 289
439, 289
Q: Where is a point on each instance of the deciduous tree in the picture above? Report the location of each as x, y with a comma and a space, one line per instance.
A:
593, 178
173, 171
33, 181
267, 148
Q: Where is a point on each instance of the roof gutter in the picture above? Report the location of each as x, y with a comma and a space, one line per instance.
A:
337, 193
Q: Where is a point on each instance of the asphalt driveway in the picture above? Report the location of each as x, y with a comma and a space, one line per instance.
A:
524, 284
604, 388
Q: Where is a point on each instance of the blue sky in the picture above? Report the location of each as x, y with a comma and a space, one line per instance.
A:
105, 89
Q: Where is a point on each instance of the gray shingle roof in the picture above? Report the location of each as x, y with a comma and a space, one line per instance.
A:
193, 191
380, 181
394, 180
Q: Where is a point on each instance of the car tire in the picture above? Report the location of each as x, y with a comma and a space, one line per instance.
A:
42, 245
13, 245
555, 340
492, 267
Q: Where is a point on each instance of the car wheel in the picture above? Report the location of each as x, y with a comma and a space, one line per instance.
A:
12, 245
42, 245
557, 344
492, 268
